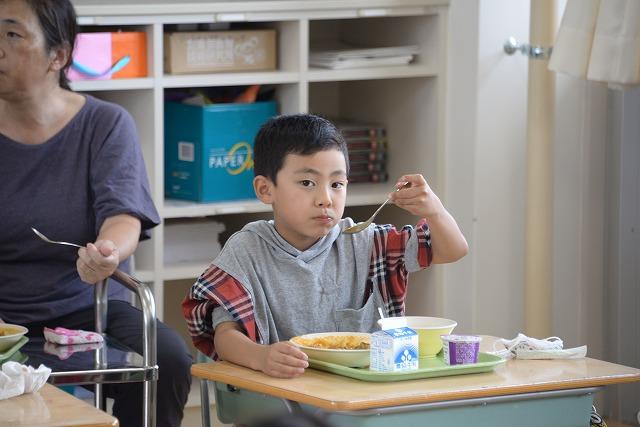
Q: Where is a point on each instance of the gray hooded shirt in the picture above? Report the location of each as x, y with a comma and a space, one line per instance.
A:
297, 292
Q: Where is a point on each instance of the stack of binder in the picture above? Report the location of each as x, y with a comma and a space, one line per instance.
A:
367, 144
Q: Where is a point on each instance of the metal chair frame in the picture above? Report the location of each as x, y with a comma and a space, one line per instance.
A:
147, 373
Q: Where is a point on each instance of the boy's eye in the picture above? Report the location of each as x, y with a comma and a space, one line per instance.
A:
306, 183
338, 185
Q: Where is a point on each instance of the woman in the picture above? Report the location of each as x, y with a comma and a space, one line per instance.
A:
70, 166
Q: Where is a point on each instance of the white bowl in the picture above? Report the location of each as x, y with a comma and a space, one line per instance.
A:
350, 358
9, 335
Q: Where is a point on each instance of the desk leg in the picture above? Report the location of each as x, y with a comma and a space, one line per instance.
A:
204, 403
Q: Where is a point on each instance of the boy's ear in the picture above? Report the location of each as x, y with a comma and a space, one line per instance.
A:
263, 189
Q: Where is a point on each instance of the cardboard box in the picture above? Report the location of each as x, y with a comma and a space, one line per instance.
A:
394, 350
219, 51
209, 150
103, 56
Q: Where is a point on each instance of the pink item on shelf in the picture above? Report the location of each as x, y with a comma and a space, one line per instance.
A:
93, 50
65, 336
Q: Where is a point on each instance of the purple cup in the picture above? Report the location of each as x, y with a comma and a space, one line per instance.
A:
460, 349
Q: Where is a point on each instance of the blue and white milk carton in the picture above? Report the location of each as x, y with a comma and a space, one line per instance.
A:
394, 350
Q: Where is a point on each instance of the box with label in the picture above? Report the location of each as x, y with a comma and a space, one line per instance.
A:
209, 150
219, 51
103, 56
394, 350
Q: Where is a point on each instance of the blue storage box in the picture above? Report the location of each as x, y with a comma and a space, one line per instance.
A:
209, 150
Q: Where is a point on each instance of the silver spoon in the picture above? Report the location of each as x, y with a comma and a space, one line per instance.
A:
362, 225
46, 239
119, 275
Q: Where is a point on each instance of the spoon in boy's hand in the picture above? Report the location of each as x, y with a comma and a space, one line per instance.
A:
362, 225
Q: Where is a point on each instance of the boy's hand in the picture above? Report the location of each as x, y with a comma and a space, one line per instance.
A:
283, 360
416, 198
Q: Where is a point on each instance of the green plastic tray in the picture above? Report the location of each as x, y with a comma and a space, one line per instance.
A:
428, 368
6, 355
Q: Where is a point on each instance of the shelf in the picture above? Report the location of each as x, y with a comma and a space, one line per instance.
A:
408, 100
118, 8
115, 84
145, 276
186, 270
185, 209
363, 194
374, 73
229, 79
360, 194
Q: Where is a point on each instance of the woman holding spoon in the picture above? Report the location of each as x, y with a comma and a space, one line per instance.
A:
71, 166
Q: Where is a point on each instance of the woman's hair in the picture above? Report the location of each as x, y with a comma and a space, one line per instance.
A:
302, 134
58, 22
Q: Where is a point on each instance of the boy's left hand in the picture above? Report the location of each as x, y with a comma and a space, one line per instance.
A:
416, 198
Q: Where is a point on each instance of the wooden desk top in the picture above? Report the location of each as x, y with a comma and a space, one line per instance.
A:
52, 407
338, 393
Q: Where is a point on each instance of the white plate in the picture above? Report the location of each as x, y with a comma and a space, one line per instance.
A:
350, 358
15, 333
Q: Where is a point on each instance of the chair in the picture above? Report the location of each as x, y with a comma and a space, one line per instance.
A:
204, 394
112, 362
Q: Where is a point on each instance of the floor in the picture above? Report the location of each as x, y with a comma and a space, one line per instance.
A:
192, 418
613, 423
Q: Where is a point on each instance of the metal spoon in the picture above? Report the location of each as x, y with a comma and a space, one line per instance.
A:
122, 277
46, 239
362, 225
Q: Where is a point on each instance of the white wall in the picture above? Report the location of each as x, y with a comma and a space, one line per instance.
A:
487, 139
622, 272
596, 194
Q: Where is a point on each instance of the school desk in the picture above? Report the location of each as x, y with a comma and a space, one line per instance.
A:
52, 407
519, 393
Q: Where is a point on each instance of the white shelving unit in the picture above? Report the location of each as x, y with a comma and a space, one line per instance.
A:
408, 100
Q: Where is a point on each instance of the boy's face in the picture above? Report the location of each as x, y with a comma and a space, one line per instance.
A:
308, 200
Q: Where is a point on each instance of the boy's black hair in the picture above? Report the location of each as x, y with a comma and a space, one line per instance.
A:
57, 19
294, 134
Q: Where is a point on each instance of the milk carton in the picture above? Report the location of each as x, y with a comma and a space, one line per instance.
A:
394, 350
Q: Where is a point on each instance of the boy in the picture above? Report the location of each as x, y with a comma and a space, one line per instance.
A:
299, 273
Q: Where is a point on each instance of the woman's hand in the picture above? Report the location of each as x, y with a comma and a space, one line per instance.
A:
97, 261
283, 360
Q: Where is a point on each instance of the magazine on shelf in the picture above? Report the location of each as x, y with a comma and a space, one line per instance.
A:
387, 61
346, 56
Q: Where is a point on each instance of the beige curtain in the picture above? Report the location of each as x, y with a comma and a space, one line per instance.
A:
599, 40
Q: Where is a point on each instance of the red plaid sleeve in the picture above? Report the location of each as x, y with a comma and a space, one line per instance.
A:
215, 288
387, 270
